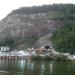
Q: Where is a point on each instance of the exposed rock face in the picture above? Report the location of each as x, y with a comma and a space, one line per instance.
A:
38, 26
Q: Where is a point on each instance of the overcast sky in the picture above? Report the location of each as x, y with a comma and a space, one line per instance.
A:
6, 6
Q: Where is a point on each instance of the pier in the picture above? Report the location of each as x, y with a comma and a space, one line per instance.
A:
14, 57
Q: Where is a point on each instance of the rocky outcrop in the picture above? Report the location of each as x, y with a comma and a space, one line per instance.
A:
50, 54
29, 29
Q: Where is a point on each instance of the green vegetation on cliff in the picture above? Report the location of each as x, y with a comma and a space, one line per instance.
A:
64, 38
62, 8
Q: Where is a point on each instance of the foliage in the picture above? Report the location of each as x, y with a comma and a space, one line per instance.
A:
8, 42
62, 8
64, 39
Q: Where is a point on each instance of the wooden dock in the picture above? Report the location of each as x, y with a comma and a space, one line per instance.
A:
14, 57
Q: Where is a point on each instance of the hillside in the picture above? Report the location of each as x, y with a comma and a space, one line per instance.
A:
33, 26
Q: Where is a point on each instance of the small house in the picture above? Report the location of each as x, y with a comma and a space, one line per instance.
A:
4, 48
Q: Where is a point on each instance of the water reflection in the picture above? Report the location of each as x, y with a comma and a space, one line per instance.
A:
32, 66
51, 68
28, 67
21, 65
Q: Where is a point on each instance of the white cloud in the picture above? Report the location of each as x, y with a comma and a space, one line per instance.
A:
7, 5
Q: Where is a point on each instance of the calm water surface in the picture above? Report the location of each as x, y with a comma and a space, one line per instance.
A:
35, 67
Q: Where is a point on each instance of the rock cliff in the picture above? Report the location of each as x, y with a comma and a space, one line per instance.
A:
30, 29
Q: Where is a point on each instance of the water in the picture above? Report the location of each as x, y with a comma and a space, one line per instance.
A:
35, 67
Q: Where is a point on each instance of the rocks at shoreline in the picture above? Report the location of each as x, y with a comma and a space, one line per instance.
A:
51, 54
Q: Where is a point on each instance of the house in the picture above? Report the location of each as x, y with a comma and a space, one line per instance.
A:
4, 48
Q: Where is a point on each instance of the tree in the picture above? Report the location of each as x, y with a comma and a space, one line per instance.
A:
64, 39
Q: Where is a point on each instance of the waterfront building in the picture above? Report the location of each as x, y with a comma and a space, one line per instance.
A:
4, 48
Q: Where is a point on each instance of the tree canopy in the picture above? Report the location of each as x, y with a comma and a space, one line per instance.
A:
64, 39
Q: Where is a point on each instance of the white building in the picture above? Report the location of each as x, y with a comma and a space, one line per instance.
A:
4, 48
